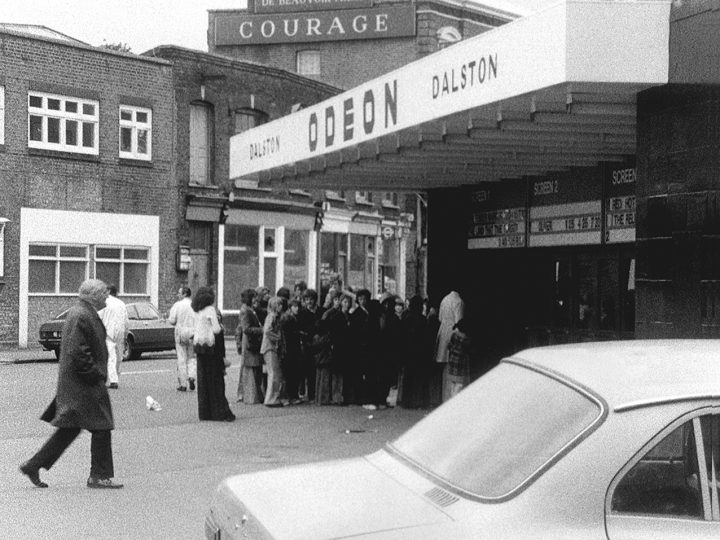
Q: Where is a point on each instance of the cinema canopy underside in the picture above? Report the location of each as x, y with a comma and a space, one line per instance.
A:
547, 92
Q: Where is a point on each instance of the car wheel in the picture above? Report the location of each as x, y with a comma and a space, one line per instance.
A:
130, 352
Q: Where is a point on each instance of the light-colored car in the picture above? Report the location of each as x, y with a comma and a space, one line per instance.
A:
617, 440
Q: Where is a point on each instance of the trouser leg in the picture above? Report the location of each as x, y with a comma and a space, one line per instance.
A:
101, 460
53, 448
119, 353
112, 361
191, 361
182, 371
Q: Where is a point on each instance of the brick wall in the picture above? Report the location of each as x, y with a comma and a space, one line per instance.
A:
62, 181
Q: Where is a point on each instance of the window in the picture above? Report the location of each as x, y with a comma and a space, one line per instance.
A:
674, 478
335, 195
126, 267
201, 137
361, 268
363, 197
63, 123
135, 133
57, 269
2, 123
241, 262
447, 35
245, 119
308, 62
390, 199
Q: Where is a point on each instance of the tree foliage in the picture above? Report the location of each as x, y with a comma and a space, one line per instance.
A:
119, 46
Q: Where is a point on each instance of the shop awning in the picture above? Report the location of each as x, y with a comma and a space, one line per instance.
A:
547, 92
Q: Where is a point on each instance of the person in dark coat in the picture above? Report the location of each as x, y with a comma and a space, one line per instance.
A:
209, 344
248, 336
309, 320
413, 389
331, 360
391, 345
81, 400
291, 350
363, 335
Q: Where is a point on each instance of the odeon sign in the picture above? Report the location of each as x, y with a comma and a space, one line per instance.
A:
374, 23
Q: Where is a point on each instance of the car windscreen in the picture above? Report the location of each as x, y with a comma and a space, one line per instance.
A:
500, 432
146, 312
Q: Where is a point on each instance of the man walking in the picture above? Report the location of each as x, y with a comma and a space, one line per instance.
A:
182, 317
81, 400
114, 317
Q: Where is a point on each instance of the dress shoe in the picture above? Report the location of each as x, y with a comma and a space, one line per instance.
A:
102, 483
181, 389
192, 384
113, 385
33, 475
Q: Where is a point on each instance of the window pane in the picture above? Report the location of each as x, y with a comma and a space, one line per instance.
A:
296, 261
36, 128
141, 117
72, 274
53, 104
199, 143
240, 272
125, 115
71, 106
665, 481
53, 130
357, 252
135, 279
42, 251
88, 109
41, 276
241, 263
73, 251
71, 132
125, 139
108, 272
142, 146
269, 241
107, 253
88, 135
269, 273
136, 254
36, 101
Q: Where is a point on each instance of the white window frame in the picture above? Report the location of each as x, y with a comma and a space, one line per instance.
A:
363, 197
390, 199
2, 128
63, 116
122, 261
135, 126
307, 62
57, 258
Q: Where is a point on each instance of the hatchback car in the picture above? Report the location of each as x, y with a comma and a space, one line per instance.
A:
613, 440
147, 331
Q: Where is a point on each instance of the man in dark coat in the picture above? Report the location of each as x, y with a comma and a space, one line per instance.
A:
82, 400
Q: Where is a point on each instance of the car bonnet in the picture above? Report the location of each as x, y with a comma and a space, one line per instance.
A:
334, 499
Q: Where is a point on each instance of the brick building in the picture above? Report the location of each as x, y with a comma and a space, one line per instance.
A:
341, 56
86, 176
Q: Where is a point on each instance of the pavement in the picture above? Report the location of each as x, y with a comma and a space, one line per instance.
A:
24, 356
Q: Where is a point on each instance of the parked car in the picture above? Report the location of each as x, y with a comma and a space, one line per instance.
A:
613, 440
147, 332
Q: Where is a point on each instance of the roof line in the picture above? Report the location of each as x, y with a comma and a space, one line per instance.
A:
625, 407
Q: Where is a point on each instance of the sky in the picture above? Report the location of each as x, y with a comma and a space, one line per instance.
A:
144, 24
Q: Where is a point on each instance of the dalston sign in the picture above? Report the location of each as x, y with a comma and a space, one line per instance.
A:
284, 6
374, 23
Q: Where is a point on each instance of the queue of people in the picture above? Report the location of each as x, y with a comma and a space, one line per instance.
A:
352, 350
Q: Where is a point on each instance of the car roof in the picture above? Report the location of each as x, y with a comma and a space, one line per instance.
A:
632, 373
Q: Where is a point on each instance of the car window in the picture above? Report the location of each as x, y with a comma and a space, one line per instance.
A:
146, 312
501, 431
132, 313
668, 481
